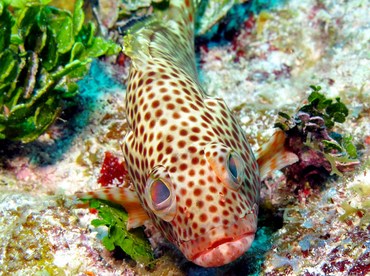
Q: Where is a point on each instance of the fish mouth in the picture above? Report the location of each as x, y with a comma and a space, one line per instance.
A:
224, 251
222, 244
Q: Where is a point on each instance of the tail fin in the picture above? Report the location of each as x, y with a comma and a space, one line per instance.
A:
274, 156
167, 36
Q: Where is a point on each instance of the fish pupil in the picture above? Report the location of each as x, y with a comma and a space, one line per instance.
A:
232, 167
159, 192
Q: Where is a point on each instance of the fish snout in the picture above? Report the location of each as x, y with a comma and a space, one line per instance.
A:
225, 252
221, 244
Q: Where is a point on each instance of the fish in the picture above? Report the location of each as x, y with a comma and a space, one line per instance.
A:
193, 172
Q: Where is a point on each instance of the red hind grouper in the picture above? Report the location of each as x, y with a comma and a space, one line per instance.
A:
193, 172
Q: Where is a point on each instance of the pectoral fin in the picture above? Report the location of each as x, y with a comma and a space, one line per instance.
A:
274, 156
125, 197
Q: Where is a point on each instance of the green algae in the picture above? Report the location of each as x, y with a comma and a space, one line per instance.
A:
358, 209
43, 51
311, 136
133, 243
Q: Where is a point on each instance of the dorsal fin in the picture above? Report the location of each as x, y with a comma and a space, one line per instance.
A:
167, 35
274, 156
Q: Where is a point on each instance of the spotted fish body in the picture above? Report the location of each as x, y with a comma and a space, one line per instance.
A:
193, 171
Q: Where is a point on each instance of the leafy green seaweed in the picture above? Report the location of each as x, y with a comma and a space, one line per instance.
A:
133, 242
43, 52
330, 111
310, 132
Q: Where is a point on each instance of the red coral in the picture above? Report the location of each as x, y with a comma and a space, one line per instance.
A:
367, 140
112, 169
121, 59
250, 24
93, 211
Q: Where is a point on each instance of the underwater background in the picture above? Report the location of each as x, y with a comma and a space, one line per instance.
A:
261, 58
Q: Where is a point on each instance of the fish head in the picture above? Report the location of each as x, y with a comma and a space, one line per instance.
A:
205, 200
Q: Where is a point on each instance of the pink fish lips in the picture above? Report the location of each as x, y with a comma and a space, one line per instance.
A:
221, 245
225, 251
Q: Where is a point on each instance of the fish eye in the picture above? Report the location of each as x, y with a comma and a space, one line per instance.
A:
160, 194
232, 166
235, 170
226, 164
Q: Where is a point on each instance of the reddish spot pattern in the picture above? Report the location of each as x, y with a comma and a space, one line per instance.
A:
188, 202
212, 209
173, 123
197, 192
203, 217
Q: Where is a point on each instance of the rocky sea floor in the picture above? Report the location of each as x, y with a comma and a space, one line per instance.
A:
266, 67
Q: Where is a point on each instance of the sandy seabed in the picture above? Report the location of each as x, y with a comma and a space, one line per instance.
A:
267, 67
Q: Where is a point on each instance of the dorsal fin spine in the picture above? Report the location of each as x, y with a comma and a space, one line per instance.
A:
165, 35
